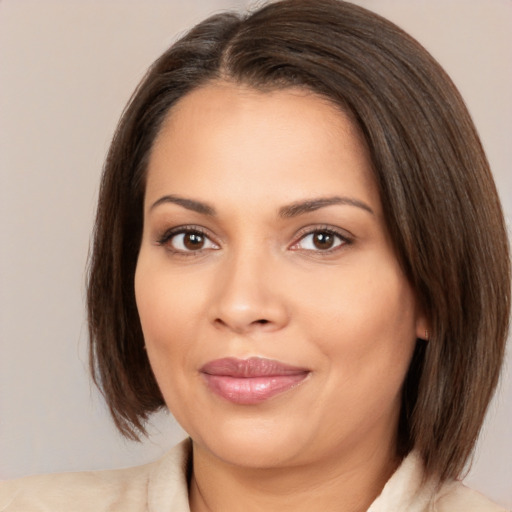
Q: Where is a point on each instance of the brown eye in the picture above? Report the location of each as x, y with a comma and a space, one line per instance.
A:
193, 241
320, 240
188, 241
323, 240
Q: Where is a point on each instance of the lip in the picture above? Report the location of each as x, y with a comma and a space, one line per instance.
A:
251, 381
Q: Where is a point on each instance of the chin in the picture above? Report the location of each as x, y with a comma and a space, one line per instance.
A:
256, 445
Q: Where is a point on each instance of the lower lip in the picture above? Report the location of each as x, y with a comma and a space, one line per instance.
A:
252, 390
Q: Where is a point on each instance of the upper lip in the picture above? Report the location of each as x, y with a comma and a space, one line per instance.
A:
252, 367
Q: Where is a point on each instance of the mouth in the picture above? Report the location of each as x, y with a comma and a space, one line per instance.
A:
251, 381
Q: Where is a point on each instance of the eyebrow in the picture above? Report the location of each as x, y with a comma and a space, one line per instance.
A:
289, 211
189, 204
310, 205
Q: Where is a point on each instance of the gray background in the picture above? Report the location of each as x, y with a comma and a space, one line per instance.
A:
67, 69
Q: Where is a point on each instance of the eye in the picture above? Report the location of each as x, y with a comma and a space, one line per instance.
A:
320, 240
185, 240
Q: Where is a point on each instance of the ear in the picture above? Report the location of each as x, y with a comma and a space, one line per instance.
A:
423, 331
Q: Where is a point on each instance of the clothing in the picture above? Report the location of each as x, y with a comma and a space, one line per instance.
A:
162, 487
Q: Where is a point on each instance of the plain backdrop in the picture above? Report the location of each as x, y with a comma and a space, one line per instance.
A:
67, 69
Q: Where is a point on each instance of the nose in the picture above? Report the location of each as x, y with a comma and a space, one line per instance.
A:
249, 297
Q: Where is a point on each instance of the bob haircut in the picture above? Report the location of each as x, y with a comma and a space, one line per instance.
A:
439, 199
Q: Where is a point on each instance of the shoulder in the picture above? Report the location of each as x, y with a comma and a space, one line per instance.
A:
408, 491
134, 489
93, 490
456, 497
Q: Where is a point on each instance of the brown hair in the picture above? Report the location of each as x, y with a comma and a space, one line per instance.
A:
439, 200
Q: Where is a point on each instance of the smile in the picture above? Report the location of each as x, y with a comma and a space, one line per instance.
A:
251, 381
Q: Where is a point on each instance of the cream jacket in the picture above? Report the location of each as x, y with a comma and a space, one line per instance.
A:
162, 487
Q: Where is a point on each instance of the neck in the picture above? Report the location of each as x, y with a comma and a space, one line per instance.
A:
348, 483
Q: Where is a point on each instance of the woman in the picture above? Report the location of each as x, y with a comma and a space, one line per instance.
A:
299, 251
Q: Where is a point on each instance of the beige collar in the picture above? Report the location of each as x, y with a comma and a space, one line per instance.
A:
404, 491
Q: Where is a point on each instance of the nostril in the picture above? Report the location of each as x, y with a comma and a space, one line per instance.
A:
262, 321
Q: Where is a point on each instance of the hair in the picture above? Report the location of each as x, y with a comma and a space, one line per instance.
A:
439, 199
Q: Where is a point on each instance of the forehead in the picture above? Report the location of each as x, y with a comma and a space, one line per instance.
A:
243, 103
232, 135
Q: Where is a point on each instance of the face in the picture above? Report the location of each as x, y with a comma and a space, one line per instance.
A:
277, 320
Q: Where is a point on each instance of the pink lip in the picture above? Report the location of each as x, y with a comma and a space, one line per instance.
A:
251, 381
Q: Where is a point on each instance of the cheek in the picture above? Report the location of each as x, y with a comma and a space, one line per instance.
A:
163, 302
365, 327
367, 339
165, 309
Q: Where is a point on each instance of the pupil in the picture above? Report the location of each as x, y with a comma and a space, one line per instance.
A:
193, 241
323, 240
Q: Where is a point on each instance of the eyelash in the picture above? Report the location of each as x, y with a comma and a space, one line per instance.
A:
168, 236
344, 239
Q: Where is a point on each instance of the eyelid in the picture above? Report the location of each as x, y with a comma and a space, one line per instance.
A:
165, 238
345, 237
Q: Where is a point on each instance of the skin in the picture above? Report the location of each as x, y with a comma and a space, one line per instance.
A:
259, 286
